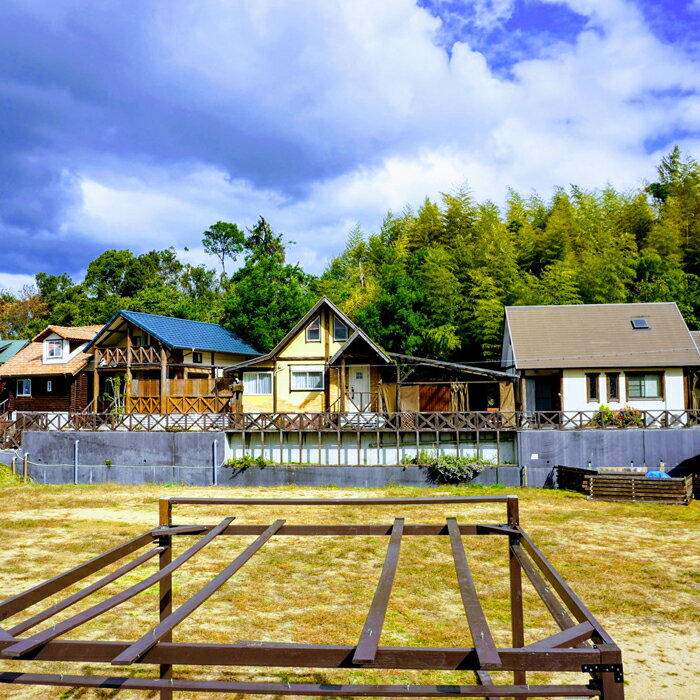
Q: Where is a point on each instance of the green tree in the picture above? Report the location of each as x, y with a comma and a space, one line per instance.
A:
223, 240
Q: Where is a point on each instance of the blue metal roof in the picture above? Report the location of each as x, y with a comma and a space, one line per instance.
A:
9, 348
181, 333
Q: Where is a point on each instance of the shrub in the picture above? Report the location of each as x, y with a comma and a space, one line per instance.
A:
627, 416
448, 469
246, 461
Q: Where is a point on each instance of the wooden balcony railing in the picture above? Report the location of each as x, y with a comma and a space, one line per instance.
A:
117, 357
475, 421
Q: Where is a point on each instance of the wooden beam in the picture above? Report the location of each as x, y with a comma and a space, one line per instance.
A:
372, 630
481, 634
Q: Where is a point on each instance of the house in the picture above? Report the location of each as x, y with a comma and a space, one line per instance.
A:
47, 374
327, 363
324, 363
144, 363
577, 357
8, 349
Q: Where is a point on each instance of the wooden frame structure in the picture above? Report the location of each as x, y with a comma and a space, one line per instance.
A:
582, 645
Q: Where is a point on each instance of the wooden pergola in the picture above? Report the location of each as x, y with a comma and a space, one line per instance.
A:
581, 646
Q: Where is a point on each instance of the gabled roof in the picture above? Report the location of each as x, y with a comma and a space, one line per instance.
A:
598, 336
83, 333
362, 336
9, 348
184, 334
695, 335
308, 316
29, 362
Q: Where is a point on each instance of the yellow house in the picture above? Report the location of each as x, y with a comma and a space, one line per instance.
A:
325, 363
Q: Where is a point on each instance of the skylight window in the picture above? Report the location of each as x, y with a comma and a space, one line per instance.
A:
640, 324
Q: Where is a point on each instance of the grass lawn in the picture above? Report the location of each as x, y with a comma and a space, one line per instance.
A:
636, 566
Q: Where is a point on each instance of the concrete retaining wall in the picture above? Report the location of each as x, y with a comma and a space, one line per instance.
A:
347, 476
193, 449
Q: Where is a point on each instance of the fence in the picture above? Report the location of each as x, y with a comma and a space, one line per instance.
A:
626, 487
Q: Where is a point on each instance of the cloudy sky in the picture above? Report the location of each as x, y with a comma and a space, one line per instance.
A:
140, 123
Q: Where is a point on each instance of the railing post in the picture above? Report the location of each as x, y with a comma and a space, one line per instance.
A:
516, 587
25, 467
215, 475
165, 585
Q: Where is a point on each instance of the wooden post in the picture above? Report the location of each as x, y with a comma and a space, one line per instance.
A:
281, 447
516, 587
14, 466
165, 585
25, 467
95, 381
163, 380
127, 388
341, 386
398, 389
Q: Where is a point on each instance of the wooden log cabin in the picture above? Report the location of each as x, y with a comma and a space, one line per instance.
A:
144, 363
47, 375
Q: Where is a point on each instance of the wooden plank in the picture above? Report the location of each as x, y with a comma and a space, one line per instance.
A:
327, 690
25, 645
372, 629
566, 638
138, 648
481, 634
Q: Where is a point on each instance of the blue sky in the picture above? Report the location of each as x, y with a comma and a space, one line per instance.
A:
139, 129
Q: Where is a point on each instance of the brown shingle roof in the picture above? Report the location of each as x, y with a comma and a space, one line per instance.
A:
599, 335
85, 333
29, 362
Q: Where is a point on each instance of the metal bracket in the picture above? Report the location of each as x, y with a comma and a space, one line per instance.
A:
615, 669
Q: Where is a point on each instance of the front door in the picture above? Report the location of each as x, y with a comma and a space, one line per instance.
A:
359, 398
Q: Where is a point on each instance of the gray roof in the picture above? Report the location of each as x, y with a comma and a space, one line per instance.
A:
599, 336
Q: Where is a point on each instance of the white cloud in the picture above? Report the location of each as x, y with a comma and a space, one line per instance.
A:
379, 117
14, 283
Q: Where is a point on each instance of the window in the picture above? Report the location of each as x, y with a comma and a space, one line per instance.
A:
640, 324
54, 348
24, 387
257, 383
340, 330
645, 386
613, 386
592, 388
313, 331
197, 358
306, 378
49, 386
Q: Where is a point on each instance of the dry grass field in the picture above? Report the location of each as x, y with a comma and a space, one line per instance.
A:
637, 567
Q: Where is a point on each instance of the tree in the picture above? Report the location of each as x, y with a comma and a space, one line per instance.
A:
267, 296
224, 240
22, 317
263, 242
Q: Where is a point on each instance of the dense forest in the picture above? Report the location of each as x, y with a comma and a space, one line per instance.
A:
431, 281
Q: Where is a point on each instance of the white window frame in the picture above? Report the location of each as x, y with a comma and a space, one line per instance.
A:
298, 370
50, 344
336, 323
246, 383
26, 384
316, 320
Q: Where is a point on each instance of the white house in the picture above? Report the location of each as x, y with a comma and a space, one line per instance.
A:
578, 357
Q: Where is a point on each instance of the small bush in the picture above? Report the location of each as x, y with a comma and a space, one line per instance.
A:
448, 469
246, 461
624, 417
